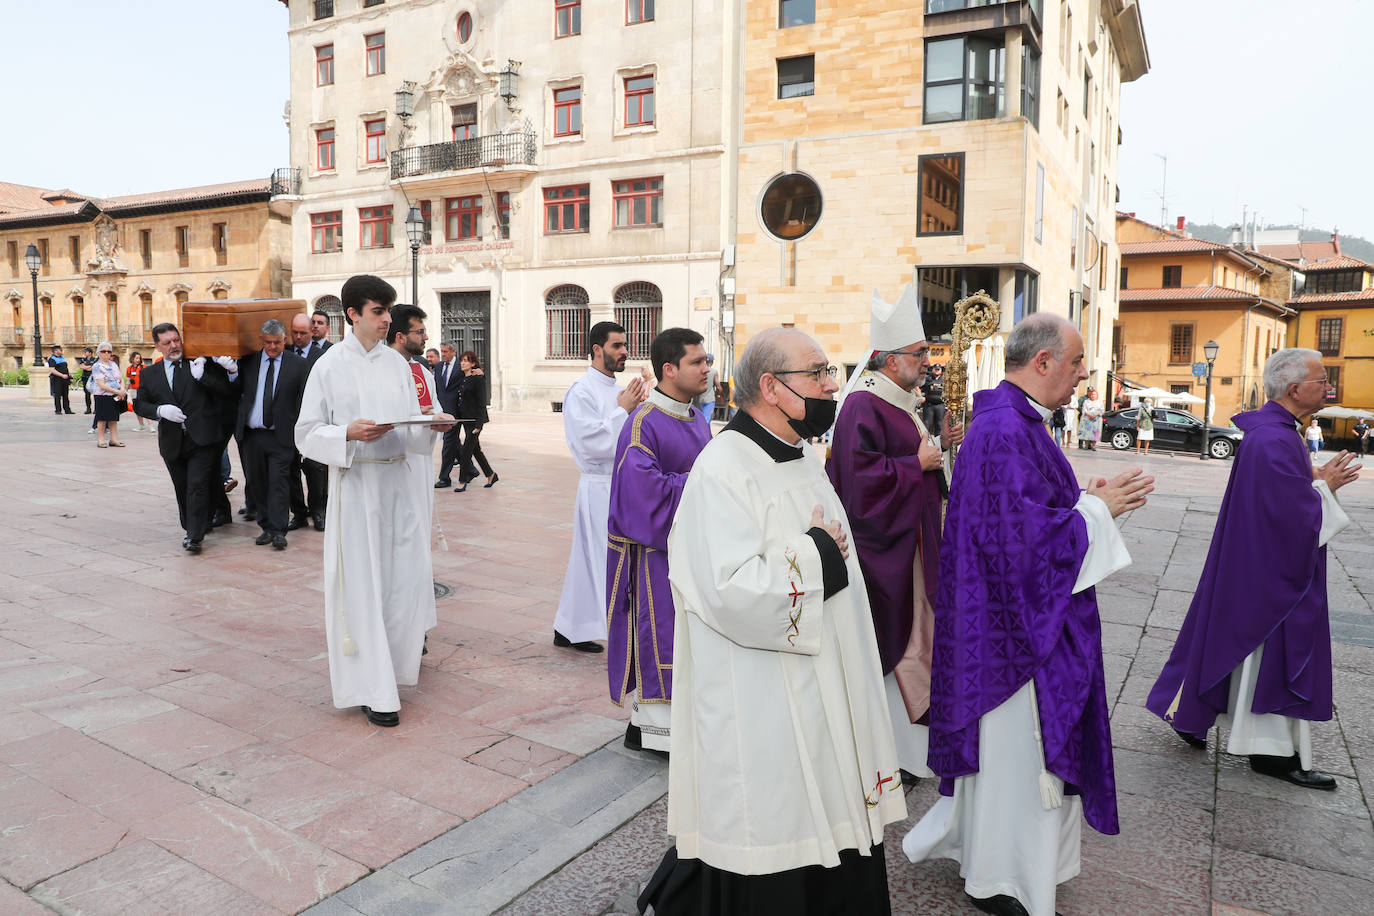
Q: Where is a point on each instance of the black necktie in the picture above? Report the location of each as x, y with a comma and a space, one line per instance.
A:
179, 376
300, 351
267, 393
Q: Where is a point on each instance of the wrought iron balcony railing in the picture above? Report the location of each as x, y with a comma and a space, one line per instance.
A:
285, 181
493, 150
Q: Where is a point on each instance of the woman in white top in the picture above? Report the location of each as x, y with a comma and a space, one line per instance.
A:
1314, 437
110, 396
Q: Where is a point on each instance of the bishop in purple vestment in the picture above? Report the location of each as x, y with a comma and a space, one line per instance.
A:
1255, 647
1018, 706
657, 448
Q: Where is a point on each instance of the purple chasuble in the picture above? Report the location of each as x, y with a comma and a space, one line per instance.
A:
655, 451
1006, 612
1264, 583
893, 508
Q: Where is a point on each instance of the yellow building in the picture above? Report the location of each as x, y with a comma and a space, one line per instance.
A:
114, 267
965, 146
1336, 318
1176, 294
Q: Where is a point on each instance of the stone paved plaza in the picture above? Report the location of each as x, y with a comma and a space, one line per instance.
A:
168, 744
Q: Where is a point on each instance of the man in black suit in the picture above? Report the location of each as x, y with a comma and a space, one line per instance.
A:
181, 395
319, 331
448, 381
272, 382
308, 502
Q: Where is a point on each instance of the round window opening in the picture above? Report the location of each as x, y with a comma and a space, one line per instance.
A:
464, 26
791, 206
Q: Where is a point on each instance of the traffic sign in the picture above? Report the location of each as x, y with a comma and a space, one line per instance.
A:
1199, 370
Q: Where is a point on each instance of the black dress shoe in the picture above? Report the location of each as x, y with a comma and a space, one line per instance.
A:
492, 482
243, 511
263, 539
278, 542
460, 488
443, 482
221, 518
1289, 769
999, 905
634, 741
909, 779
1192, 740
384, 719
319, 522
297, 522
190, 545
564, 642
250, 516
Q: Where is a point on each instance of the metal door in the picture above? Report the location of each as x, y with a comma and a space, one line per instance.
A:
466, 325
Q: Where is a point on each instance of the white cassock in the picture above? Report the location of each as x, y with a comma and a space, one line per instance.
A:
994, 825
378, 574
591, 423
1268, 733
782, 744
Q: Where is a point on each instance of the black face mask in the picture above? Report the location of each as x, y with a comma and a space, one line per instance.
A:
817, 418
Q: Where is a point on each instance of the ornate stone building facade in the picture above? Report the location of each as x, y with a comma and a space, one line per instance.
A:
114, 267
566, 158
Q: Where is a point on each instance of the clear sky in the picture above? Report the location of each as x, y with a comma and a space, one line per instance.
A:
111, 97
1255, 102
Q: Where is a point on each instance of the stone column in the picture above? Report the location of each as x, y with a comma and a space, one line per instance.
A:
38, 385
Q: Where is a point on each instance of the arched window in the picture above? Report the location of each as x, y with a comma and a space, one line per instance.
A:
333, 307
639, 310
569, 318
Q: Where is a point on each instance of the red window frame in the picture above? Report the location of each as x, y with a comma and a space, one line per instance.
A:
637, 11
464, 26
567, 18
376, 139
637, 203
324, 65
462, 217
464, 131
639, 100
374, 46
326, 232
374, 227
324, 149
567, 208
428, 237
567, 109
503, 214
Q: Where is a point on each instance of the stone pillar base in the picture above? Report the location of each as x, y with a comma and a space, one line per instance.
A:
38, 384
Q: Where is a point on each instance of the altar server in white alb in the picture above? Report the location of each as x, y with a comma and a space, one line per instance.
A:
783, 772
378, 575
594, 410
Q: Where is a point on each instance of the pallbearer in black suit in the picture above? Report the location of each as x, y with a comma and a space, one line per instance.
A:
308, 502
181, 395
448, 381
319, 333
272, 382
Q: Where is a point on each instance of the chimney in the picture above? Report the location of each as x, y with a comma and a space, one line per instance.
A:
1181, 221
1336, 241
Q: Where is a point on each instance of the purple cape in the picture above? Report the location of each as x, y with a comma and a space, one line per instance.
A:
1005, 612
1264, 583
655, 451
893, 508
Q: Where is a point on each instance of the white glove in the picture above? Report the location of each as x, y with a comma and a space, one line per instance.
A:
228, 364
172, 413
197, 367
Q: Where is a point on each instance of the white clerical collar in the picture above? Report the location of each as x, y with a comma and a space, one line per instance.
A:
599, 376
352, 340
1041, 409
671, 405
879, 384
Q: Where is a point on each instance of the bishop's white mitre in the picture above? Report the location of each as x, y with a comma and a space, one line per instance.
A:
896, 325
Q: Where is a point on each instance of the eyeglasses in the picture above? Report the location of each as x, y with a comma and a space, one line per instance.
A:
817, 374
921, 353
1324, 380
106, 351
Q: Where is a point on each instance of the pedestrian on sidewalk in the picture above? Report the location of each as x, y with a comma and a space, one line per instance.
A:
1315, 442
783, 768
1254, 651
87, 362
131, 375
472, 416
1144, 427
1019, 727
59, 381
110, 397
1090, 421
1361, 431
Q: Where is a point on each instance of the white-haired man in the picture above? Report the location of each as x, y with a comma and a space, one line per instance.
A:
783, 770
1255, 648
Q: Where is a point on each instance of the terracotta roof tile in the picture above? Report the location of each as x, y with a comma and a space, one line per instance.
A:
182, 195
1363, 295
1171, 246
1301, 251
14, 197
1184, 294
21, 202
1340, 262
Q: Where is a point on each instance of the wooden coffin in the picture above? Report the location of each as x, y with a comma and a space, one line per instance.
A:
231, 327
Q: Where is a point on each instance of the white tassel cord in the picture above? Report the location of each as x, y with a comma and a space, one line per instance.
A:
1051, 793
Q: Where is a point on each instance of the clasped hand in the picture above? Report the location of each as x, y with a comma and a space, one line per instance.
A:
1123, 492
831, 528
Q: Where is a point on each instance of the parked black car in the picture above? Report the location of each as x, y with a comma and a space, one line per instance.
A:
1176, 430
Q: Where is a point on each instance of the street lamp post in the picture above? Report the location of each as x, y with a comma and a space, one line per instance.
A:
415, 231
1210, 348
32, 261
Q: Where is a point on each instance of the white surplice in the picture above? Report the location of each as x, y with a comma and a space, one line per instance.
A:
782, 746
1269, 733
994, 825
591, 423
378, 574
